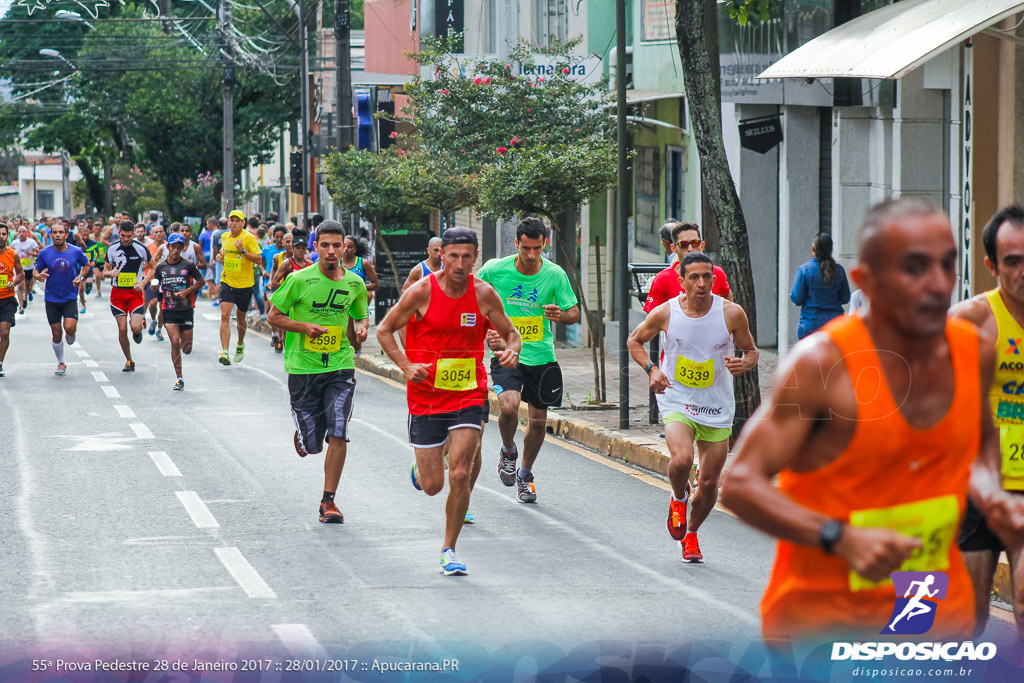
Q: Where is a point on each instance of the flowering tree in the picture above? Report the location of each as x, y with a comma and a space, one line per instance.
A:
136, 191
199, 197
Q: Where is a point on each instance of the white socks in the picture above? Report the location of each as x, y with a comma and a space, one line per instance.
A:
58, 350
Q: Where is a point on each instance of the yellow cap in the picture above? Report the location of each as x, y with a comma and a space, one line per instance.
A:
237, 214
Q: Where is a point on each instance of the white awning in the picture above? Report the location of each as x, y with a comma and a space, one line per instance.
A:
892, 41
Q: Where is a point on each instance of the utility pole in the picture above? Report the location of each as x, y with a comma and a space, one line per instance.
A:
621, 215
226, 49
65, 177
343, 61
304, 94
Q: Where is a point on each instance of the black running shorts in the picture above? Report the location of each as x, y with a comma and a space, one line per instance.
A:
58, 310
974, 532
183, 318
8, 307
321, 406
431, 431
241, 298
540, 385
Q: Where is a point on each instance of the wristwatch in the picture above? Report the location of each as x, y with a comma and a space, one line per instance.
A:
647, 368
829, 534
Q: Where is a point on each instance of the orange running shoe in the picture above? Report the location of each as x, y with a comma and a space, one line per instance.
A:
691, 549
676, 519
330, 514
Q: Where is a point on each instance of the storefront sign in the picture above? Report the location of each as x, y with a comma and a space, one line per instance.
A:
762, 134
449, 17
966, 200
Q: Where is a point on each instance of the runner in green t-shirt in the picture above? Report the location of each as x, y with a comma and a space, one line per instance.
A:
536, 293
313, 307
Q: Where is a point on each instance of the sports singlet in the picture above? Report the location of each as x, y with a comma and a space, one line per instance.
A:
889, 475
25, 250
425, 270
1007, 392
450, 338
8, 260
358, 268
700, 386
129, 261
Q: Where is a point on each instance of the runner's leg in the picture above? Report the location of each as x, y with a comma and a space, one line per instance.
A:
5, 340
679, 439
536, 426
981, 565
225, 324
186, 340
334, 462
122, 336
430, 468
712, 460
174, 337
242, 325
463, 445
1016, 557
508, 416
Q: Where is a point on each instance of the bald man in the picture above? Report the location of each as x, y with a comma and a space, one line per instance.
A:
873, 474
431, 264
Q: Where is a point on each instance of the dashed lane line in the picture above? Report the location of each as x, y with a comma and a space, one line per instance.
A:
99, 376
164, 463
141, 430
244, 573
197, 510
110, 391
124, 411
299, 641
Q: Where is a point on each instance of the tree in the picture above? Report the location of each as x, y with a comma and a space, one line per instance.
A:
370, 184
427, 180
697, 38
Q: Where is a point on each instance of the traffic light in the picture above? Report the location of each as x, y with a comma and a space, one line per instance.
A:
295, 166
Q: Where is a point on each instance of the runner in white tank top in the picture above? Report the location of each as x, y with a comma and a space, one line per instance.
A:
695, 389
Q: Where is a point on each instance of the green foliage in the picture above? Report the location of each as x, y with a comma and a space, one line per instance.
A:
136, 190
371, 185
199, 196
752, 11
427, 180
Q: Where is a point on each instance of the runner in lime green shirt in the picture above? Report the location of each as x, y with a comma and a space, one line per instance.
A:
313, 307
536, 293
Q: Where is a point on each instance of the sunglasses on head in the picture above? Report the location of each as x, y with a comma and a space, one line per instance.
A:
693, 243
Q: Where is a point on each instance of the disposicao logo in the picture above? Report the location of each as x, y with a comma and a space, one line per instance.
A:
917, 602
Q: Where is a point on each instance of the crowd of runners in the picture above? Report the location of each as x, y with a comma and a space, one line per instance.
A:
861, 462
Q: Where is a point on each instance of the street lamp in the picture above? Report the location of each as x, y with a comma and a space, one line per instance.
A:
67, 15
54, 54
65, 158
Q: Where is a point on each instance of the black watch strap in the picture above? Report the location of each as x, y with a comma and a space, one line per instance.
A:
829, 534
647, 368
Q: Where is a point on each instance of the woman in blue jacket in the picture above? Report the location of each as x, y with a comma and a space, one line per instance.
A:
820, 287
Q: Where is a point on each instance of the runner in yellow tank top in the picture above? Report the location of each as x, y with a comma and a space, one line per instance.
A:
998, 314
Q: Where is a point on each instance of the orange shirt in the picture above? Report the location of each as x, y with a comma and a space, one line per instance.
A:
7, 272
890, 475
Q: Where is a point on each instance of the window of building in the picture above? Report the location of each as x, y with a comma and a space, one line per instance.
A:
675, 193
480, 27
552, 21
44, 200
647, 220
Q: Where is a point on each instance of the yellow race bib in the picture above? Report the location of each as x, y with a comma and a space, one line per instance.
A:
1011, 444
933, 521
531, 328
328, 342
3, 280
26, 262
455, 374
126, 279
232, 265
690, 373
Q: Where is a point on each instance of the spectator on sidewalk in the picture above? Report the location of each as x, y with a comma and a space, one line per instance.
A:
820, 287
666, 239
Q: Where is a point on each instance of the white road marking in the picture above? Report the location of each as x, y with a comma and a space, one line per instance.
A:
196, 509
110, 391
299, 640
164, 464
124, 411
244, 573
212, 316
99, 376
89, 363
141, 430
82, 353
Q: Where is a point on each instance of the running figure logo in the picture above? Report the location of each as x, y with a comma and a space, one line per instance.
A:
914, 612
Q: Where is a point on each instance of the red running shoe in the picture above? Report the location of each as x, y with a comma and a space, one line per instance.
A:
691, 549
298, 446
330, 514
676, 519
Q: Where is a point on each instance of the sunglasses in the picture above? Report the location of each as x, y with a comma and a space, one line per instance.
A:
693, 243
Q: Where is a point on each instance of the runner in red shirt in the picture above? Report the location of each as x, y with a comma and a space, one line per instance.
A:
665, 286
446, 316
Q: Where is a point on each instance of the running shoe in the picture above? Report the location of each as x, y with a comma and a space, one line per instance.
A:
507, 465
691, 549
526, 492
70, 339
263, 316
450, 565
298, 445
216, 302
61, 369
30, 296
88, 288
414, 475
82, 309
224, 360
99, 294
137, 336
21, 311
159, 335
3, 374
470, 519
239, 353
676, 519
129, 366
330, 514
273, 341
152, 328
279, 347
179, 385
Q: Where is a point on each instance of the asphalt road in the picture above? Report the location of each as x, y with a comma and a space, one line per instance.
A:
140, 519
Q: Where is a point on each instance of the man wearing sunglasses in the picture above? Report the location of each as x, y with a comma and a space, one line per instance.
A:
665, 286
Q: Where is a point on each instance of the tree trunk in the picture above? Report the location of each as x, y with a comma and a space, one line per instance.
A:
706, 117
567, 255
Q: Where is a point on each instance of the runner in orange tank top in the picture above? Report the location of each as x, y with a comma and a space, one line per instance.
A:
447, 315
11, 275
872, 429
